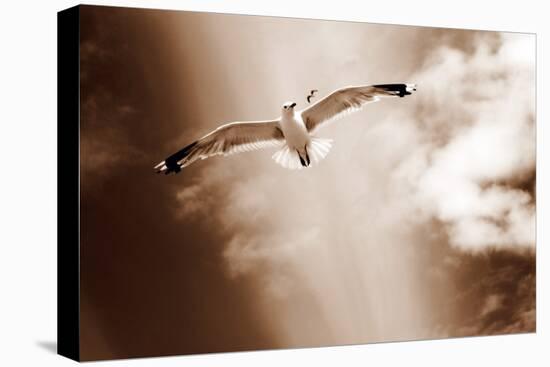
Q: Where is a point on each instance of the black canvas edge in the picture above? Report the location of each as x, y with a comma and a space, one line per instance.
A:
68, 183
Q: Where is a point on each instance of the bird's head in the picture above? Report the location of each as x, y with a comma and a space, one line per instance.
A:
288, 107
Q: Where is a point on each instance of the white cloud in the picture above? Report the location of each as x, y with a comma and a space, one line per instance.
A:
493, 143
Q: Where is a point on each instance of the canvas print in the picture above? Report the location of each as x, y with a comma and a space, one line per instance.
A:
252, 183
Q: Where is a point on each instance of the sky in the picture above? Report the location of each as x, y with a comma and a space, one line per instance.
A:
419, 224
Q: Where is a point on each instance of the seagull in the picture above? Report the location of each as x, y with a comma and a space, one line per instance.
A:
293, 132
311, 95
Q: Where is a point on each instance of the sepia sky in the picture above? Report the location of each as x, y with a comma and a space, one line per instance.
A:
420, 223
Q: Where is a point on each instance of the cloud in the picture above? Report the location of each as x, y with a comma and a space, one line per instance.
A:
105, 115
497, 294
191, 201
481, 106
246, 254
104, 144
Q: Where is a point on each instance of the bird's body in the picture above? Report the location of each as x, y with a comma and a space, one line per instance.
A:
295, 133
294, 130
292, 133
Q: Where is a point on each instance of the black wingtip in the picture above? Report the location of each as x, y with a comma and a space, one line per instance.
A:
172, 163
173, 169
168, 167
400, 90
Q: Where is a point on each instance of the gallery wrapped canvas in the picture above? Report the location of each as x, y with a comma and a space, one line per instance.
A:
237, 183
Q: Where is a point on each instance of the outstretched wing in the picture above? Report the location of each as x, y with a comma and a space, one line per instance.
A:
234, 137
350, 99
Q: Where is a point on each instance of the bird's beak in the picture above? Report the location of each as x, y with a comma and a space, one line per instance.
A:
293, 105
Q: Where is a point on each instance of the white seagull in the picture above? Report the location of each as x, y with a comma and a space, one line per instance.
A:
292, 132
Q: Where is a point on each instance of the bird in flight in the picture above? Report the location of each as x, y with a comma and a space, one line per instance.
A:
311, 95
292, 133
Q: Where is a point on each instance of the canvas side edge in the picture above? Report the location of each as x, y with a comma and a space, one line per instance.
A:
68, 201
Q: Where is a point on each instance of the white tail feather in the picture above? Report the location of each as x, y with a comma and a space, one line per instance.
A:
317, 149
